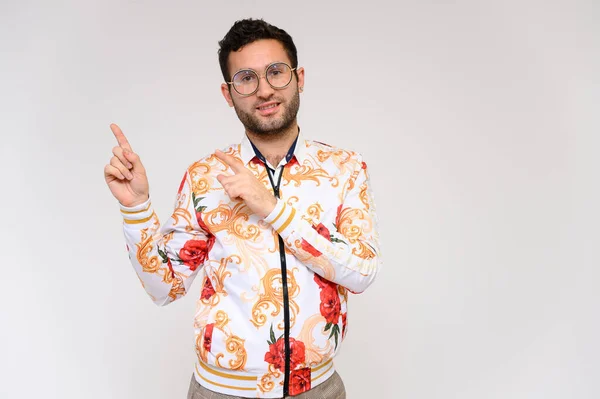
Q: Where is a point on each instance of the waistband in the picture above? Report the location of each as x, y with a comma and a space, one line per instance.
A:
241, 383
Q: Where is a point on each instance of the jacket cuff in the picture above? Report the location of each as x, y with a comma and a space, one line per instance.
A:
137, 214
281, 218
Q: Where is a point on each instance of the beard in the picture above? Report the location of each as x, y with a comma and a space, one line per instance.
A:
274, 126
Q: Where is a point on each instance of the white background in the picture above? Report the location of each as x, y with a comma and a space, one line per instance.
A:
478, 120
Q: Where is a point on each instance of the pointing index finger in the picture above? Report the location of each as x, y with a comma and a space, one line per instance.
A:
230, 161
121, 139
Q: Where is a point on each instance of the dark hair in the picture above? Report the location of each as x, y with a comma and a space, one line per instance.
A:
249, 30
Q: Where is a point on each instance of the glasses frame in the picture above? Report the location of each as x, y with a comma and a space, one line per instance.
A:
261, 76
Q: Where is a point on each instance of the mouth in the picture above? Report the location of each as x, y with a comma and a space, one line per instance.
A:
268, 108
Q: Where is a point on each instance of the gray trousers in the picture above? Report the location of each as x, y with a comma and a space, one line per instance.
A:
333, 388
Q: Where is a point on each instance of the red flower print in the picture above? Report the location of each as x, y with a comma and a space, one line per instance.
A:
194, 253
330, 305
364, 165
201, 222
182, 183
207, 290
297, 353
208, 331
338, 216
276, 353
199, 209
344, 324
309, 248
170, 267
323, 283
323, 231
299, 381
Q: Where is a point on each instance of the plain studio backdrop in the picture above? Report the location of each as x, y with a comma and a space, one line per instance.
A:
476, 118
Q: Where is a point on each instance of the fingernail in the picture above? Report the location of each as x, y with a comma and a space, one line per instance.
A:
129, 165
129, 176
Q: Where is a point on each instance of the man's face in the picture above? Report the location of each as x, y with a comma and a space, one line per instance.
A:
269, 111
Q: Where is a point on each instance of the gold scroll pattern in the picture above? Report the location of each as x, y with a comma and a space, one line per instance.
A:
314, 354
152, 264
272, 298
316, 262
201, 176
313, 213
349, 184
218, 281
306, 172
181, 211
234, 345
353, 224
266, 383
364, 196
340, 158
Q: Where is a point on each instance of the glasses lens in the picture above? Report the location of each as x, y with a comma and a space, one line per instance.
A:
245, 82
279, 75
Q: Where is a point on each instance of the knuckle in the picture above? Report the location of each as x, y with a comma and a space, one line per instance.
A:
119, 165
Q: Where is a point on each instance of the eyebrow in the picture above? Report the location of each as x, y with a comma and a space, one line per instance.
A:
265, 67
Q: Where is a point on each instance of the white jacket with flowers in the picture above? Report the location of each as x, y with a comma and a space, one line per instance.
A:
272, 312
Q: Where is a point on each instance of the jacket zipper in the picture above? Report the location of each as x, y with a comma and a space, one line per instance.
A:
286, 299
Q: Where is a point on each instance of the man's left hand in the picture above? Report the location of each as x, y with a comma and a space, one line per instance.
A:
244, 185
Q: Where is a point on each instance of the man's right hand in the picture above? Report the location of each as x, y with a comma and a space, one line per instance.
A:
125, 175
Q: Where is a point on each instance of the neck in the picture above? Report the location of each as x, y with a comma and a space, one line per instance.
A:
274, 148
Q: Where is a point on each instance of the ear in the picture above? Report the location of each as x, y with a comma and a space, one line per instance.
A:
300, 78
226, 94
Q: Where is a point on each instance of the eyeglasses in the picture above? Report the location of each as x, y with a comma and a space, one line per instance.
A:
277, 74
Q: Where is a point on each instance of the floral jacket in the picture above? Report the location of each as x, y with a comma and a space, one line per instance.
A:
272, 312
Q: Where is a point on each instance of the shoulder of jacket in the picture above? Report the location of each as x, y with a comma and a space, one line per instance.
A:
207, 159
350, 155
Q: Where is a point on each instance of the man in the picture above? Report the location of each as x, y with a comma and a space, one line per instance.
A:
278, 229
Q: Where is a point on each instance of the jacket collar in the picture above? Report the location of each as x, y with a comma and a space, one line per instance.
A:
249, 152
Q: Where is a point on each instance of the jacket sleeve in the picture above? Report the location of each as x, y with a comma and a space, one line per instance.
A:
341, 246
166, 259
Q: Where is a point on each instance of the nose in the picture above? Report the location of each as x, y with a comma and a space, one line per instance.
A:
264, 88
